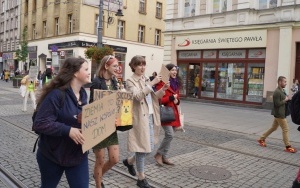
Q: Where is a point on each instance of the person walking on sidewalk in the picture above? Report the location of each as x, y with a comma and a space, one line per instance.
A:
58, 122
30, 91
171, 99
280, 99
105, 80
146, 118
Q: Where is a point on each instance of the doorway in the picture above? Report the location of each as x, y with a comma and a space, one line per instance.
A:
193, 80
297, 66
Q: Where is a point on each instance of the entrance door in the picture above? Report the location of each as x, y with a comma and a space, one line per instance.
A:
297, 67
193, 80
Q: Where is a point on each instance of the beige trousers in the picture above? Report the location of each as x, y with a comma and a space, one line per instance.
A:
285, 130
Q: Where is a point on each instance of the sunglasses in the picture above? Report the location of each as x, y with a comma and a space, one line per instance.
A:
109, 57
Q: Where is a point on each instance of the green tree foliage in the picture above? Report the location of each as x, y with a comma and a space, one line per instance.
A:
22, 53
96, 54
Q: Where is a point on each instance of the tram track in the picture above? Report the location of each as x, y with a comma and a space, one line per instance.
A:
155, 184
9, 180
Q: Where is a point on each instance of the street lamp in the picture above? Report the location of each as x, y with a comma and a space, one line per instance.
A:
100, 22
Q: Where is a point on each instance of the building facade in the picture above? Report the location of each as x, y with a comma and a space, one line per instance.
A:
9, 34
59, 29
238, 48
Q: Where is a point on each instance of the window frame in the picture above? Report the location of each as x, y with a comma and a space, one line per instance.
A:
221, 7
141, 33
157, 37
45, 28
70, 23
121, 29
142, 4
56, 28
268, 4
158, 12
34, 31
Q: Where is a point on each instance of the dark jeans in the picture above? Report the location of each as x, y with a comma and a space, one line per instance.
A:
77, 176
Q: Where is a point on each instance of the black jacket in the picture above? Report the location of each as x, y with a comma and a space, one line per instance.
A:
99, 83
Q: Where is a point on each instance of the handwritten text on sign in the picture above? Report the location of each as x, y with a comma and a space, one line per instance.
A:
124, 105
98, 121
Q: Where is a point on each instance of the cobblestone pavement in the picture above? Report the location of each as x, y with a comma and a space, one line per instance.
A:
211, 153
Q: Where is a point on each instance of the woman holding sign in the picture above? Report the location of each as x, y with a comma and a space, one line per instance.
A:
146, 118
60, 144
171, 98
105, 80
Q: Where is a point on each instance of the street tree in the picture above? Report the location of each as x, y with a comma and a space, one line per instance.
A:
22, 53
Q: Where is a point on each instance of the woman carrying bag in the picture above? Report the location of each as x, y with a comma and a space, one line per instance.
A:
171, 99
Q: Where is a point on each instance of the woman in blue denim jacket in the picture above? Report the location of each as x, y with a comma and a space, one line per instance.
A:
60, 144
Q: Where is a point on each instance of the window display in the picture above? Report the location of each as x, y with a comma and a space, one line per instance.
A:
208, 80
255, 82
183, 75
231, 81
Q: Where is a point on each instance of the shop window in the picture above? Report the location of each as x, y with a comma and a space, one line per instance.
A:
255, 82
189, 8
208, 80
194, 70
183, 75
230, 84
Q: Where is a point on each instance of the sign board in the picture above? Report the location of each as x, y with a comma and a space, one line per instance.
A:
221, 40
164, 73
124, 103
98, 121
33, 72
62, 53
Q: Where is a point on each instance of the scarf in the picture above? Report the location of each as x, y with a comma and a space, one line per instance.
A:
174, 84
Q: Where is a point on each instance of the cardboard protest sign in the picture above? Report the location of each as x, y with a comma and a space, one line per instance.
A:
33, 72
124, 105
165, 74
98, 121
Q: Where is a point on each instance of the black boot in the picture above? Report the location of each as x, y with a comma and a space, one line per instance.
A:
143, 183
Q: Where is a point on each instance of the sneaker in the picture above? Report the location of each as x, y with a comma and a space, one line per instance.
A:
143, 183
262, 143
130, 168
290, 149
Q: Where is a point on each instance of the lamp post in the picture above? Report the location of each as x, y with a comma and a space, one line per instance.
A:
100, 25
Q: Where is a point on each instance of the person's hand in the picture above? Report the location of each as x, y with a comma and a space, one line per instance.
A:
286, 98
166, 86
175, 101
175, 96
156, 80
76, 136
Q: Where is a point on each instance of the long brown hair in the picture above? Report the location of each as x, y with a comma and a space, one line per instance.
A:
63, 78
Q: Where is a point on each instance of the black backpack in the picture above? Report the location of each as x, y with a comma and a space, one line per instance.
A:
62, 93
294, 107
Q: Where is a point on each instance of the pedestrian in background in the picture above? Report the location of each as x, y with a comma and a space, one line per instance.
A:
146, 118
48, 76
280, 99
6, 75
40, 79
171, 99
105, 80
196, 85
154, 74
29, 92
295, 86
58, 123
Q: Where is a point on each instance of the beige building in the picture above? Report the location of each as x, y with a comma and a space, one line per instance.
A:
238, 48
59, 29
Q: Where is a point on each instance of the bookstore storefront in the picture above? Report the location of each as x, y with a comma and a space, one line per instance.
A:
236, 75
230, 65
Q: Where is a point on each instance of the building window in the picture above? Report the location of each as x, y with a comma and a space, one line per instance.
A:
158, 10
16, 22
26, 7
34, 6
219, 6
121, 30
33, 31
3, 6
56, 26
141, 33
44, 3
189, 8
44, 28
70, 23
142, 7
157, 37
264, 4
96, 23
